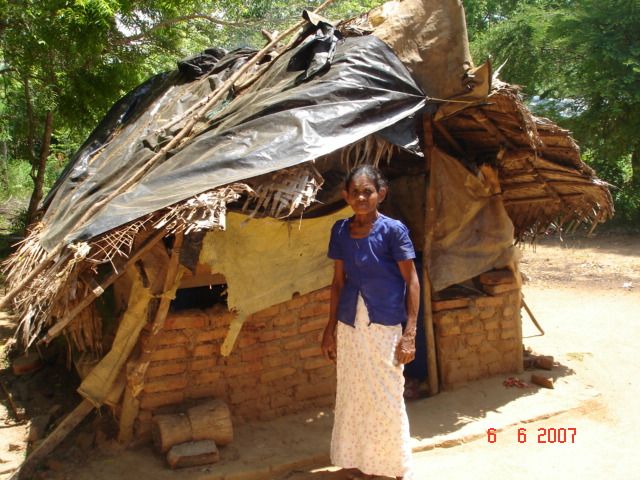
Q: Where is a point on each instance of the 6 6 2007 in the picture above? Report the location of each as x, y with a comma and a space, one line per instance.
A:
545, 435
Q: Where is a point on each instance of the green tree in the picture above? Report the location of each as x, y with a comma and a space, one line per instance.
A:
579, 63
64, 62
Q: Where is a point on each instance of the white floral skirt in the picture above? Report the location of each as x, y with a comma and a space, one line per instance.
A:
371, 428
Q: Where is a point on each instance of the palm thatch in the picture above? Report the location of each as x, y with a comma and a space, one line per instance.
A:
545, 185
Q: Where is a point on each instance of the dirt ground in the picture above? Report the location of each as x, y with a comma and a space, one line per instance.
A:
585, 293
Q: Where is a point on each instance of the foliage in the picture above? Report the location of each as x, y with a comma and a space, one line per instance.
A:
579, 63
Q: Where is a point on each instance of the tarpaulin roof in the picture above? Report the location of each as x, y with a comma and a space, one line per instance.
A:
282, 120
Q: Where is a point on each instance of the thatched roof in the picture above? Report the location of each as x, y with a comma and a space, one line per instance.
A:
544, 182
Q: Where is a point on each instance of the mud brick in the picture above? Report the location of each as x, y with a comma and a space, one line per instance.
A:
267, 312
284, 319
210, 390
543, 381
242, 369
246, 341
166, 368
240, 395
491, 325
493, 335
322, 308
316, 363
463, 316
487, 313
277, 373
322, 295
497, 277
288, 332
439, 305
498, 289
475, 327
311, 352
269, 335
544, 361
167, 383
276, 361
258, 352
205, 376
508, 310
155, 400
181, 322
169, 354
308, 311
281, 399
304, 392
296, 343
206, 350
445, 319
318, 374
311, 325
211, 335
170, 338
297, 302
488, 301
476, 339
449, 330
449, 344
455, 375
508, 333
203, 364
510, 323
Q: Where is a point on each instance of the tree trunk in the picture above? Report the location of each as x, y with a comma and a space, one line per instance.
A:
38, 181
5, 167
635, 166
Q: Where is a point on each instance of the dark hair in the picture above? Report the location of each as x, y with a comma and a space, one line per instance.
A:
372, 173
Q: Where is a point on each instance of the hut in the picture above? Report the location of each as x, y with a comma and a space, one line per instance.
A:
183, 251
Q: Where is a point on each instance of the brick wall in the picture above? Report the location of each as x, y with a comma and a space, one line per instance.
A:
478, 337
276, 366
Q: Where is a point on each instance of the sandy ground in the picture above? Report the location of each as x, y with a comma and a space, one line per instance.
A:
586, 295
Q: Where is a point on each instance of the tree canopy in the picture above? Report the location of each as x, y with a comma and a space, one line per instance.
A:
63, 63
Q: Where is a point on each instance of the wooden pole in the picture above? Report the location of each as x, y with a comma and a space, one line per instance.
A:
136, 176
430, 210
137, 369
53, 440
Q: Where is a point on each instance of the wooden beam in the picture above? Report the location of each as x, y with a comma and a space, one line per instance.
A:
556, 183
517, 201
447, 136
430, 211
486, 122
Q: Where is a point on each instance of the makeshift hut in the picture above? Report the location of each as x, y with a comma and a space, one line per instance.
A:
183, 250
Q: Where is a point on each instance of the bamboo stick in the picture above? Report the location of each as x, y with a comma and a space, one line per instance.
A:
62, 323
430, 211
136, 176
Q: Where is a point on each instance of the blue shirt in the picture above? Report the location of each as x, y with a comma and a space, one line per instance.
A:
371, 269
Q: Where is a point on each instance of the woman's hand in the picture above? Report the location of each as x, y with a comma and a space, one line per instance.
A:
406, 348
329, 347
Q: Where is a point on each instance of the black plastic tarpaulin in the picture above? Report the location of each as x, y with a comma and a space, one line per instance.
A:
280, 121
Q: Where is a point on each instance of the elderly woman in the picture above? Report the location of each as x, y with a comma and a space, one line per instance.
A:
375, 289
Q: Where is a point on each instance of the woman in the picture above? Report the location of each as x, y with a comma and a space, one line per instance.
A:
375, 289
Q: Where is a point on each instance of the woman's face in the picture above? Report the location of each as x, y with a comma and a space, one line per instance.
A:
362, 195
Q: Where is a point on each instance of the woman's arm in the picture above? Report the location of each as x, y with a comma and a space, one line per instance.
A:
329, 335
406, 350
